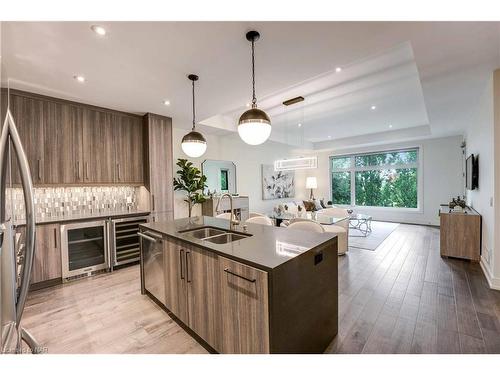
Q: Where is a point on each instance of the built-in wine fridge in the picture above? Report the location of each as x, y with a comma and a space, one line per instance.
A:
124, 244
84, 249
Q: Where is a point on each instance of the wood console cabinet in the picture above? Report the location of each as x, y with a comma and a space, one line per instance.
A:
240, 207
69, 143
460, 234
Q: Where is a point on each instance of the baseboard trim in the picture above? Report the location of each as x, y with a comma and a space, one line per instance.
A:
493, 282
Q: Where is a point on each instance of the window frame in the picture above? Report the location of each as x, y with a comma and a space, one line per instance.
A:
353, 169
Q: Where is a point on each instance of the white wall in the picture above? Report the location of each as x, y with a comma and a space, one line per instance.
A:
479, 139
248, 160
441, 179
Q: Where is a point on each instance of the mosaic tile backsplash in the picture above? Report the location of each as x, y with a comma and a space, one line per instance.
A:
59, 202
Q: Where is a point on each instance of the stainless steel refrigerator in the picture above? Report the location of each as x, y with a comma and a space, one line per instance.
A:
16, 256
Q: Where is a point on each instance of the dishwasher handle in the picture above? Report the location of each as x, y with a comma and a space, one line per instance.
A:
150, 237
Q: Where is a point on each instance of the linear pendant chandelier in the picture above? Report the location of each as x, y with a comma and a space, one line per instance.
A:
254, 126
193, 143
306, 162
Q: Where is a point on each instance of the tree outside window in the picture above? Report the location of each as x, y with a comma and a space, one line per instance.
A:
224, 184
383, 179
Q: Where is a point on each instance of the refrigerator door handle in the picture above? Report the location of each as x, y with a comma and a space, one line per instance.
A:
9, 131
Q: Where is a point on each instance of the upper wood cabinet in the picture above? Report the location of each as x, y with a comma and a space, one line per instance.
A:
98, 147
63, 130
159, 161
28, 115
129, 154
69, 143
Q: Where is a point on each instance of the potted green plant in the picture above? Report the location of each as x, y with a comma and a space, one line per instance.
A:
191, 181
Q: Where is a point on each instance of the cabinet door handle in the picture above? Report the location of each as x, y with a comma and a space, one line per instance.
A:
188, 261
39, 169
153, 201
77, 170
55, 238
119, 174
181, 255
227, 270
87, 170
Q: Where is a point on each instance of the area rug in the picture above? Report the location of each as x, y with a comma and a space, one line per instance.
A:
380, 231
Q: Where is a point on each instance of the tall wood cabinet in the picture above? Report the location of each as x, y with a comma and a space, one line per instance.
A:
159, 165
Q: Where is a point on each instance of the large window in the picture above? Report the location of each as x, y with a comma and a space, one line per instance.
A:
382, 179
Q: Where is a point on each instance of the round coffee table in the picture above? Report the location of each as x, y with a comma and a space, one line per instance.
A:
362, 223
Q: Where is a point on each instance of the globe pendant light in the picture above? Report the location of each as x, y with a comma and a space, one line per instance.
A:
193, 143
254, 126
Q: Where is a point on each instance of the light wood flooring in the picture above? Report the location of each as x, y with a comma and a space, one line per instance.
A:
401, 298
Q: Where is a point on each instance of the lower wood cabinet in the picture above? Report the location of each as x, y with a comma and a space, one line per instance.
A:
47, 260
175, 278
245, 309
202, 278
222, 301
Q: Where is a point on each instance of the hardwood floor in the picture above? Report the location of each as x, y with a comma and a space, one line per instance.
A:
405, 298
401, 298
104, 314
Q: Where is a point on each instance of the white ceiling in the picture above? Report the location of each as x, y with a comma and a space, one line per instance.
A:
424, 77
339, 104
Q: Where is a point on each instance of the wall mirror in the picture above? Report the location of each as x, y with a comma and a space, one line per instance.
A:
221, 175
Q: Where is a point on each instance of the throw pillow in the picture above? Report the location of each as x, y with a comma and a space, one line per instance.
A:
317, 205
309, 205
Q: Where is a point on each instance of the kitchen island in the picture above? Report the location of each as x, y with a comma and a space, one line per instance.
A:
247, 289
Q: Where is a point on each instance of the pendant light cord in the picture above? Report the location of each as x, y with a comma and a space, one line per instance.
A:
194, 114
254, 99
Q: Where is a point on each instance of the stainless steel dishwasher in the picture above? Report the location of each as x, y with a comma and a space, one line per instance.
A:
152, 266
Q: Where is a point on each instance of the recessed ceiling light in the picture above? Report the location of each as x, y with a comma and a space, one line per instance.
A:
99, 30
338, 69
329, 136
390, 126
79, 78
299, 125
166, 102
373, 107
248, 105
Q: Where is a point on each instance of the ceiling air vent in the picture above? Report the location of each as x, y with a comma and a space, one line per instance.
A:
309, 162
298, 99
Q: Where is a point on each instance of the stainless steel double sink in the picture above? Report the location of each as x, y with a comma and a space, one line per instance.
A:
215, 235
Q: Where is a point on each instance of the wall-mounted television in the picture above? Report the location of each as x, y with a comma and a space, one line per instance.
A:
472, 172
